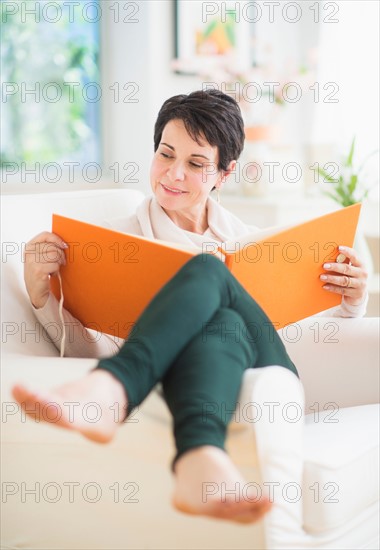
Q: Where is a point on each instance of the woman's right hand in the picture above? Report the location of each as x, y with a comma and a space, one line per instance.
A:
43, 257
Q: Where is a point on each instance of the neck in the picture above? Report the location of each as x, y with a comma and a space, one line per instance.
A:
196, 223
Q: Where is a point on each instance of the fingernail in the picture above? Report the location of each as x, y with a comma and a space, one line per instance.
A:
65, 245
327, 287
341, 258
342, 247
327, 266
323, 277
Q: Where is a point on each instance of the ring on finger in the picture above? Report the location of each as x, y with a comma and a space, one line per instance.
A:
348, 281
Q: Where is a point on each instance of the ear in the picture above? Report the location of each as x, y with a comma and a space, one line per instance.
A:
225, 173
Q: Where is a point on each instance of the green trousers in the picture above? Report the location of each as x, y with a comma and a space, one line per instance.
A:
197, 336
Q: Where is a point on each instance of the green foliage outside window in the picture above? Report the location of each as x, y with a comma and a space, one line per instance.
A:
58, 62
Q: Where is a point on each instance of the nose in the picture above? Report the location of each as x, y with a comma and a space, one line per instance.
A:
176, 171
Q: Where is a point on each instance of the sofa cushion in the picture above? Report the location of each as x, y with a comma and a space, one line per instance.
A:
341, 465
131, 477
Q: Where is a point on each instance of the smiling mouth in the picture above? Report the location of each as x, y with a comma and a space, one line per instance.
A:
172, 190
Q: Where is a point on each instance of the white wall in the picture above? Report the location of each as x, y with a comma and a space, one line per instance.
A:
349, 54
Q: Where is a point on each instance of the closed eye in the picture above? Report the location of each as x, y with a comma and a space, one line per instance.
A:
166, 156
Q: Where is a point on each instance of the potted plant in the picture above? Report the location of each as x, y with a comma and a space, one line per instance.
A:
348, 189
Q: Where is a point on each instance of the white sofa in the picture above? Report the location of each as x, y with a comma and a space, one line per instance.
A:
62, 491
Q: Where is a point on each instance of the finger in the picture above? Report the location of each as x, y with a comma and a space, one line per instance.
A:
43, 270
338, 280
358, 276
356, 292
342, 290
351, 254
344, 269
38, 246
44, 252
43, 264
46, 236
53, 269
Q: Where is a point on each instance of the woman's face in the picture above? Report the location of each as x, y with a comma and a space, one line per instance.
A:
183, 172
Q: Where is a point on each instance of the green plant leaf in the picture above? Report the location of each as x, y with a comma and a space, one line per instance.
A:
348, 162
352, 184
211, 27
347, 189
326, 176
342, 193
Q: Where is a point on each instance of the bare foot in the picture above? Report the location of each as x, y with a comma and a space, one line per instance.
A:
93, 405
208, 483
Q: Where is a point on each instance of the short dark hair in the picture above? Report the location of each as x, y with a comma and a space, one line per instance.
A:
208, 113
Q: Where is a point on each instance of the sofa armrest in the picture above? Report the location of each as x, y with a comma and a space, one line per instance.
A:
337, 360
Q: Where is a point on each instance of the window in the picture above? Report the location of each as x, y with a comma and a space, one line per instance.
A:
50, 99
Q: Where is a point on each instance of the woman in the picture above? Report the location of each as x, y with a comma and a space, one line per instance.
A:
197, 141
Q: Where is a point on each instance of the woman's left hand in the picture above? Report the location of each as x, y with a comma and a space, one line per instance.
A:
352, 279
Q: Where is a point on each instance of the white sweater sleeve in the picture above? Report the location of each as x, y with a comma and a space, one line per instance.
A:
346, 310
80, 341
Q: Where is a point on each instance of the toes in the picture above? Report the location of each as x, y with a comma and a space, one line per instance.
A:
19, 392
36, 405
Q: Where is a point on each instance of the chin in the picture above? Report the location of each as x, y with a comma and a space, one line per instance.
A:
168, 202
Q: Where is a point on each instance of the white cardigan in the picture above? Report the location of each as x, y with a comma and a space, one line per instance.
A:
151, 221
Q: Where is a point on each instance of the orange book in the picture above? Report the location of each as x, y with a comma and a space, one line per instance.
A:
110, 277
